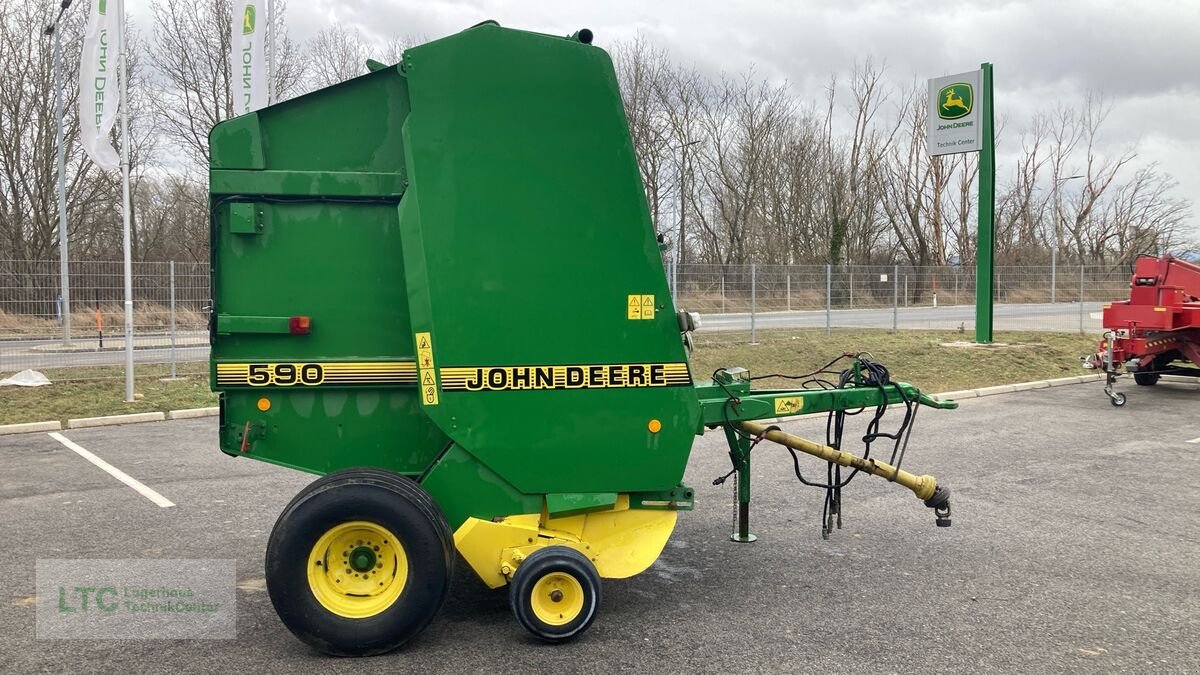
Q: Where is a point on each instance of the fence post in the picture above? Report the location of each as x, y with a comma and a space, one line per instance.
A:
722, 290
828, 295
850, 273
906, 290
99, 316
895, 297
753, 301
789, 290
956, 288
1053, 272
172, 268
1081, 268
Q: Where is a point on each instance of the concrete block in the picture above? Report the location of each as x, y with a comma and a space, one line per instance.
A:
192, 413
956, 395
999, 389
84, 422
29, 427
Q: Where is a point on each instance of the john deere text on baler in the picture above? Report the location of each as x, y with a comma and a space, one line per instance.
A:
438, 287
1156, 330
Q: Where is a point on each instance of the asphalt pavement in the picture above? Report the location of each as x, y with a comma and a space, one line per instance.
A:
1074, 549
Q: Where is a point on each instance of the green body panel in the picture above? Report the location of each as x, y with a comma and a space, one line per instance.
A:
525, 229
569, 504
464, 487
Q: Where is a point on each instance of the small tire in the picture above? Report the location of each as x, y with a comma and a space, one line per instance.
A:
555, 594
391, 579
1146, 379
1118, 400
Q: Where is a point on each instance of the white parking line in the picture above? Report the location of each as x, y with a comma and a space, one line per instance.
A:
1195, 440
113, 471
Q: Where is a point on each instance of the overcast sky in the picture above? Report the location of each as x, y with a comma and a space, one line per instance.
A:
1143, 54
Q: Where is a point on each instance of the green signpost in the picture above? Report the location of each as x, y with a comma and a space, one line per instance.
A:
961, 119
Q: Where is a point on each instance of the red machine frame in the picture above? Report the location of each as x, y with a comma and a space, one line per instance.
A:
1158, 325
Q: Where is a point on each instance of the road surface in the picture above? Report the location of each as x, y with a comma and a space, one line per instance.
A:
1061, 317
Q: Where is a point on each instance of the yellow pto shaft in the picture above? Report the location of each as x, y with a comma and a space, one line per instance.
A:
924, 487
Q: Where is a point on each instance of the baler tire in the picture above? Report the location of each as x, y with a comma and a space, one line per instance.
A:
555, 570
348, 503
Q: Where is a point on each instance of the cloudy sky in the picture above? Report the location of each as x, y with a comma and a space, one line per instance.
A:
1143, 54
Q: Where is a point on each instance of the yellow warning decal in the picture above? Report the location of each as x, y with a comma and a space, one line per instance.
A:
647, 306
639, 306
788, 405
426, 368
604, 376
316, 373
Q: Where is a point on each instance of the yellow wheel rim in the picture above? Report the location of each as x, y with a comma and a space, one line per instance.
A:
557, 599
357, 569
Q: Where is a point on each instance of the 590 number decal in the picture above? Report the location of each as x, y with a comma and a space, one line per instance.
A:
285, 374
327, 373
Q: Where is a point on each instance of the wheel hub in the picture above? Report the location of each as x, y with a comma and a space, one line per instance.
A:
362, 559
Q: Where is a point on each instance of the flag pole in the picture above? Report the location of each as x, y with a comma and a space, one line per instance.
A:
270, 52
123, 86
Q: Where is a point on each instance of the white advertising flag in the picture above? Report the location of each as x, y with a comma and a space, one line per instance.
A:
248, 46
98, 95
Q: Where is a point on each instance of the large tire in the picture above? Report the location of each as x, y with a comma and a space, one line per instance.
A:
555, 593
396, 562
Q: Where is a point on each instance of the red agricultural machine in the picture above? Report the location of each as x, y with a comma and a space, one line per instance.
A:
1158, 327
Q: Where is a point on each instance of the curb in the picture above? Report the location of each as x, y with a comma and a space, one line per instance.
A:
1013, 388
29, 427
85, 422
192, 413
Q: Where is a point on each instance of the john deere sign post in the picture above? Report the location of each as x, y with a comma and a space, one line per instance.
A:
961, 120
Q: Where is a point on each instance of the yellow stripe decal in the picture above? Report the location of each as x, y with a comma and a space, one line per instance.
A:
602, 376
316, 373
470, 378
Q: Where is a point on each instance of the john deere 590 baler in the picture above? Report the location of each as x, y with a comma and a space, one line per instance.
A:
438, 287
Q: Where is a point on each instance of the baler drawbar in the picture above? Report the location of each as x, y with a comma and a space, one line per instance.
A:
438, 287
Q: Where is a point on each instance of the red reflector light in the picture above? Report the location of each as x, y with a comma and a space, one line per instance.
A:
299, 325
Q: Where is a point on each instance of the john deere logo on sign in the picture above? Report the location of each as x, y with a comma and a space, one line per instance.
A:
955, 101
248, 20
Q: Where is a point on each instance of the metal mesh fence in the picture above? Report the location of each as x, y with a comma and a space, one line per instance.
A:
737, 303
170, 315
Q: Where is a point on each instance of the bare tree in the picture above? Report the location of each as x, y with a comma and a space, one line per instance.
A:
336, 54
852, 161
191, 56
740, 120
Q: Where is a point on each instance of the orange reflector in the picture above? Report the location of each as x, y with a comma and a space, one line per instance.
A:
264, 404
654, 426
299, 325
